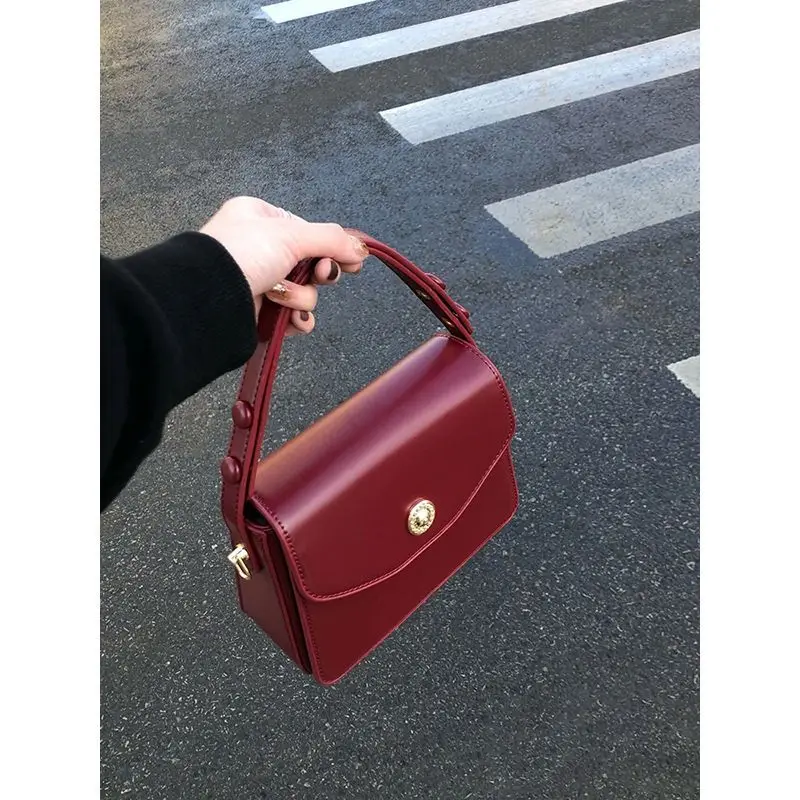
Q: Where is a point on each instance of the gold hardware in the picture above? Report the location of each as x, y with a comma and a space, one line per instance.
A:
422, 295
421, 517
237, 557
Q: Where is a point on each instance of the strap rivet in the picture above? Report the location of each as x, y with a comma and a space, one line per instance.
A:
231, 470
242, 413
438, 281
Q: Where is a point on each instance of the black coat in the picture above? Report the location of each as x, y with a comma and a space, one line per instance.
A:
173, 318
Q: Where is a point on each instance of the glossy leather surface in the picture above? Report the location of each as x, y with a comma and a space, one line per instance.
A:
335, 568
342, 632
341, 492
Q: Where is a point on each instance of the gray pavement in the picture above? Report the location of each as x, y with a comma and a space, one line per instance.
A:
562, 662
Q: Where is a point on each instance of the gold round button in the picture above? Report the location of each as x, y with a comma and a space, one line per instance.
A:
421, 517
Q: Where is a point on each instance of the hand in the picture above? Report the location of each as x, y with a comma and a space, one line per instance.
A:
268, 242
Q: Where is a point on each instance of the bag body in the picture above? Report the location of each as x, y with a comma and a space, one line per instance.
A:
343, 532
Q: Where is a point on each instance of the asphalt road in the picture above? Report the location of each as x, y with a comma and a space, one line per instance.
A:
563, 661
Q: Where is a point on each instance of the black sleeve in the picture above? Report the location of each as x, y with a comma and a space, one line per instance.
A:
173, 318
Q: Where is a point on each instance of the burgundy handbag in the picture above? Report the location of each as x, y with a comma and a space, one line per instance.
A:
342, 533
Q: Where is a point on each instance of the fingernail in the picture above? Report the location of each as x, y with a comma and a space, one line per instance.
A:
360, 247
334, 273
304, 315
280, 291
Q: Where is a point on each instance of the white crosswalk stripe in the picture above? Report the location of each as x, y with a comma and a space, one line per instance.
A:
445, 115
448, 30
688, 373
298, 9
604, 205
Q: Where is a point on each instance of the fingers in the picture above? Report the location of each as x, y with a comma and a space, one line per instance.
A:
351, 267
327, 272
303, 299
324, 239
292, 295
337, 252
301, 323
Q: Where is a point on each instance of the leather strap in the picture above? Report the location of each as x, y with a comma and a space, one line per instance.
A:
251, 410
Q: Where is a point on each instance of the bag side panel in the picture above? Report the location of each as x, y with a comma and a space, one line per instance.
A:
268, 598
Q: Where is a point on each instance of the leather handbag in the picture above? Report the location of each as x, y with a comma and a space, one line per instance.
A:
342, 533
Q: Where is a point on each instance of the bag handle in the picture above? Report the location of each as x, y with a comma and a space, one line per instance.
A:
251, 409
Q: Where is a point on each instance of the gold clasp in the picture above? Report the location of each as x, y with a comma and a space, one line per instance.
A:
238, 557
421, 517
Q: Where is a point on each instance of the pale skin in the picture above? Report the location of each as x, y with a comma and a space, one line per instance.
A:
267, 242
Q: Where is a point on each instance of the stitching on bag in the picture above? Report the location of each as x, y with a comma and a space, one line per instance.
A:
261, 538
310, 628
242, 486
302, 604
255, 398
226, 489
498, 379
249, 432
510, 467
390, 573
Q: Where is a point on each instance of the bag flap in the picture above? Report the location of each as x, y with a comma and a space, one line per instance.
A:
339, 495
